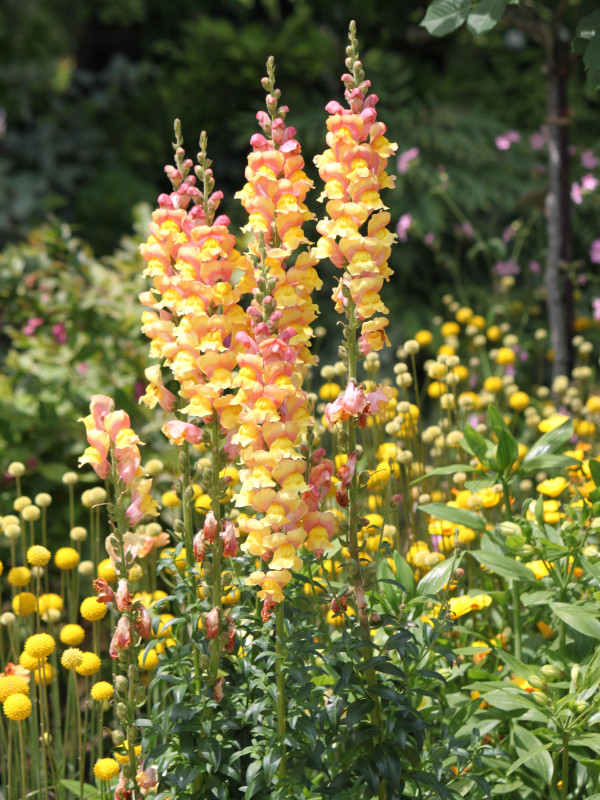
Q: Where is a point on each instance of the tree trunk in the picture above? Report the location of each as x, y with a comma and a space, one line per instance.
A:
559, 292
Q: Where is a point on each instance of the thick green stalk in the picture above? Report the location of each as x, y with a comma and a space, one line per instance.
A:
280, 681
565, 767
188, 532
217, 548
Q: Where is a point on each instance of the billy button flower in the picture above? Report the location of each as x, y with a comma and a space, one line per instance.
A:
72, 635
102, 690
90, 665
19, 576
71, 658
24, 604
106, 769
66, 558
38, 556
29, 662
17, 707
12, 684
40, 645
92, 610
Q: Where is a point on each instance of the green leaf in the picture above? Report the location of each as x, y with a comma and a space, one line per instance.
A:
507, 452
533, 753
591, 57
485, 16
444, 16
503, 565
551, 442
270, 763
460, 516
404, 573
475, 444
89, 791
516, 666
594, 466
579, 618
548, 461
437, 577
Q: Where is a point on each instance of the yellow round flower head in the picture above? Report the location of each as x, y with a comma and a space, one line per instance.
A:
90, 665
29, 662
50, 601
72, 635
44, 676
24, 604
19, 576
1, 567
12, 684
148, 660
38, 556
102, 691
518, 401
107, 571
123, 758
40, 645
71, 658
106, 769
17, 707
92, 610
66, 558
170, 500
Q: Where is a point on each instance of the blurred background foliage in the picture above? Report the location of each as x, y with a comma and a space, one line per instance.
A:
89, 91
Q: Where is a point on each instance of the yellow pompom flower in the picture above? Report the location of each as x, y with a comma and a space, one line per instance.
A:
71, 658
90, 665
1, 567
149, 660
43, 676
19, 576
40, 645
66, 558
107, 571
29, 662
92, 610
38, 556
50, 601
424, 338
170, 500
106, 769
17, 707
102, 691
12, 684
72, 635
24, 604
203, 504
123, 758
329, 391
505, 356
518, 401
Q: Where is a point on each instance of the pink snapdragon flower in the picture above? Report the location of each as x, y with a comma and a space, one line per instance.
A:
595, 251
406, 158
588, 159
505, 140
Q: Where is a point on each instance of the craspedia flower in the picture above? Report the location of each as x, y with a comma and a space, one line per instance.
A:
66, 558
1, 567
24, 604
123, 758
92, 610
19, 576
44, 676
71, 658
149, 660
17, 707
31, 513
40, 645
102, 691
107, 571
106, 769
90, 665
16, 469
38, 556
29, 662
12, 684
72, 635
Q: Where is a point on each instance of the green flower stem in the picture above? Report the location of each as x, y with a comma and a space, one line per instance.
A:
565, 767
280, 681
217, 547
23, 759
188, 532
516, 617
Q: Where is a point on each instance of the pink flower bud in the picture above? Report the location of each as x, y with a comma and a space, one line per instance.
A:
121, 638
124, 596
143, 623
213, 623
199, 547
211, 527
230, 542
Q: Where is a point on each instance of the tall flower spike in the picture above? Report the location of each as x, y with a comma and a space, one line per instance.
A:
274, 419
353, 170
196, 313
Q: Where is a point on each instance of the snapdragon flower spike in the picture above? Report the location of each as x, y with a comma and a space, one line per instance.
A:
353, 170
274, 419
109, 433
195, 316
